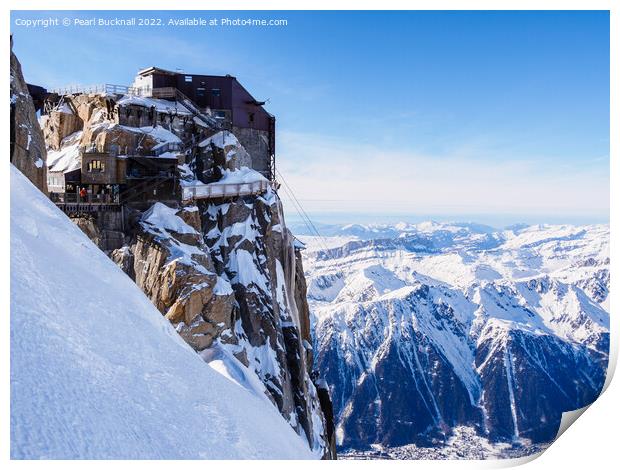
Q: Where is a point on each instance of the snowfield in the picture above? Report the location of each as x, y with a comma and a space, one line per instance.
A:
98, 373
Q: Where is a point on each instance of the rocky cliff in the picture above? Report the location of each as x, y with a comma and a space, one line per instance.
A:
227, 276
27, 143
225, 273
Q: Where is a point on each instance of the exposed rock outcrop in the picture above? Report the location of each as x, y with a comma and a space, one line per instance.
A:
226, 274
27, 143
100, 230
172, 266
251, 247
301, 293
228, 277
94, 115
89, 227
225, 151
124, 259
59, 124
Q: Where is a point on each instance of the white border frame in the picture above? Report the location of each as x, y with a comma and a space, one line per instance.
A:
592, 442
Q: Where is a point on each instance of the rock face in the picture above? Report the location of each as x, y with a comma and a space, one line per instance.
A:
98, 229
226, 274
59, 124
27, 144
301, 300
92, 120
124, 259
443, 328
251, 247
172, 266
89, 227
228, 277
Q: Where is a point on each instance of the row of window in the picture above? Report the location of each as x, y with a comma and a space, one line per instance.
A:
201, 91
214, 91
96, 166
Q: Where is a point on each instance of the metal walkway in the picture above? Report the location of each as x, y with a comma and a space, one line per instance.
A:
87, 207
224, 190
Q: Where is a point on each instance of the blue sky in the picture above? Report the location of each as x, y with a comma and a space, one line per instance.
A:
497, 117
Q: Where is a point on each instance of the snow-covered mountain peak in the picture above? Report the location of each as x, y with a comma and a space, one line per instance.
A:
422, 328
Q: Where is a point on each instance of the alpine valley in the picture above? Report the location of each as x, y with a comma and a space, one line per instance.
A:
454, 340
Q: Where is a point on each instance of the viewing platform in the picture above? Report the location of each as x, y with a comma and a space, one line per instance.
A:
87, 207
73, 203
224, 190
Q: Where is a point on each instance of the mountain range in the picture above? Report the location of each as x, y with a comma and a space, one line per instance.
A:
422, 330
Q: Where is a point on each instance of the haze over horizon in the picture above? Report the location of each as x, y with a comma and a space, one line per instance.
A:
496, 221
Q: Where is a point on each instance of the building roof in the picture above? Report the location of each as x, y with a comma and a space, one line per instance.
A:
150, 70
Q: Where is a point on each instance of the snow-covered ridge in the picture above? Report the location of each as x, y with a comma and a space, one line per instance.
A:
98, 373
424, 328
462, 256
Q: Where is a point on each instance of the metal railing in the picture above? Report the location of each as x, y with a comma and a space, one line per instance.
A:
166, 147
115, 150
224, 190
148, 92
180, 97
85, 208
98, 88
74, 198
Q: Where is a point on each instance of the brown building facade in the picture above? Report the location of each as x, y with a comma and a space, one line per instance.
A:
229, 102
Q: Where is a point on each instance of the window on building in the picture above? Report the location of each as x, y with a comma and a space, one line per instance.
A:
96, 166
220, 114
216, 92
200, 91
188, 78
251, 117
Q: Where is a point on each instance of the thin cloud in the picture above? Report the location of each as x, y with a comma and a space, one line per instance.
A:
333, 175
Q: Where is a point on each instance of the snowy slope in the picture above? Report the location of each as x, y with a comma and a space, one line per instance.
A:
98, 373
420, 329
